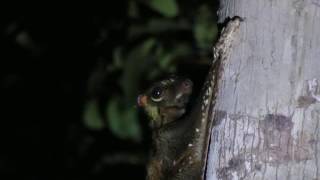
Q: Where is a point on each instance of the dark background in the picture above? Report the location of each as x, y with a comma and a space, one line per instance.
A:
70, 77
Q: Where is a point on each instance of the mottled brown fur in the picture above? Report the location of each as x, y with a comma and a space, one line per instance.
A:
180, 139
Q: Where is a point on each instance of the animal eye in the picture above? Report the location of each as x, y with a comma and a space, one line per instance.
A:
156, 94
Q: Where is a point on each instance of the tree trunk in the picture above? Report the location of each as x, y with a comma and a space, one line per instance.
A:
267, 110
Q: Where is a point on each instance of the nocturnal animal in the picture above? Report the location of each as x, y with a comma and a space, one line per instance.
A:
180, 138
166, 102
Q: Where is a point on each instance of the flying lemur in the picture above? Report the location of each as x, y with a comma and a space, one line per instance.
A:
180, 139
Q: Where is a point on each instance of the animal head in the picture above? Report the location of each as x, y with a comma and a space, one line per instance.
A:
166, 100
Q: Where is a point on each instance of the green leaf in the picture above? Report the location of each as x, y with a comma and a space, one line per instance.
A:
167, 8
166, 60
205, 30
91, 116
134, 65
159, 26
133, 9
123, 121
205, 35
117, 57
146, 46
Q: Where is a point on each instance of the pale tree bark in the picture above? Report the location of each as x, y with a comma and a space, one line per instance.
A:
267, 110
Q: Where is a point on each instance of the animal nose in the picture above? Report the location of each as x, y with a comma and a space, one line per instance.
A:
142, 100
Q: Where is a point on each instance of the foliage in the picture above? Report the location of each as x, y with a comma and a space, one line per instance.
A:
157, 37
167, 8
91, 116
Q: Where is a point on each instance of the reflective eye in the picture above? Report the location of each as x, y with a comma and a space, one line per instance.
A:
156, 94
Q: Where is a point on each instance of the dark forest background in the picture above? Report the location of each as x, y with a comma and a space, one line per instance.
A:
70, 77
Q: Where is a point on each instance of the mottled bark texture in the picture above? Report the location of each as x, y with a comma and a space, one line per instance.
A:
267, 110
